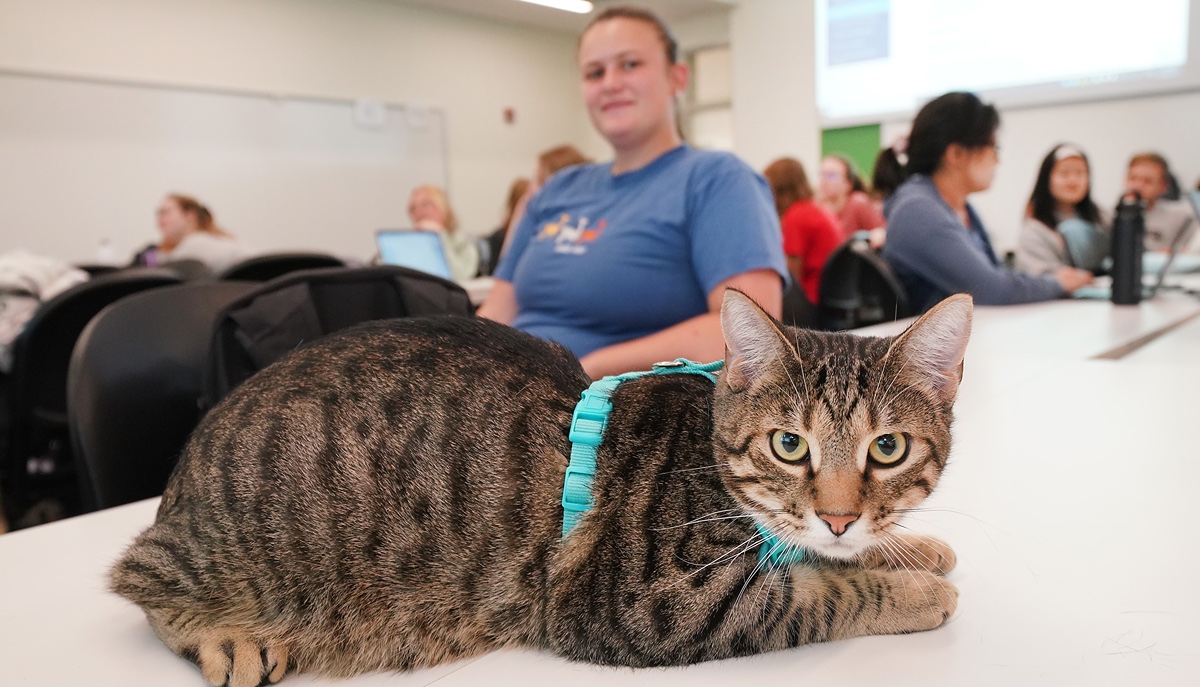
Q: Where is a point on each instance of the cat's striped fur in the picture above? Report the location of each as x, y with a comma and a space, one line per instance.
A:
389, 499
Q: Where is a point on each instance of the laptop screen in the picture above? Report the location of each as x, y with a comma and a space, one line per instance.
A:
419, 250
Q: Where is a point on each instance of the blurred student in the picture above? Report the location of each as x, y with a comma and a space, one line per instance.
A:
495, 240
187, 232
889, 170
430, 210
842, 192
937, 245
810, 233
1063, 226
1165, 219
625, 263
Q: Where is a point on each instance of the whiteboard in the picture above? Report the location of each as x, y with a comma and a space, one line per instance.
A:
84, 161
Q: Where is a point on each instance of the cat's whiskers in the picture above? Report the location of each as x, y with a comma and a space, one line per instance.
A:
731, 555
698, 521
922, 509
882, 369
912, 553
762, 561
714, 466
904, 573
903, 555
803, 377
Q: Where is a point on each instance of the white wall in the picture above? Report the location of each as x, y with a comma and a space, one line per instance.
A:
470, 68
774, 82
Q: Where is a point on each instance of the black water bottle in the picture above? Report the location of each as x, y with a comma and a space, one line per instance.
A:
1128, 234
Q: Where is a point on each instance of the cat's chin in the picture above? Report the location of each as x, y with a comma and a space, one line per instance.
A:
840, 550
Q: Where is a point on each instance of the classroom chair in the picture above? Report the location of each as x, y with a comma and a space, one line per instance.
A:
267, 267
38, 467
858, 289
134, 388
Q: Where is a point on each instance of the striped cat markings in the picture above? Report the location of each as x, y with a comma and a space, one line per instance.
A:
390, 498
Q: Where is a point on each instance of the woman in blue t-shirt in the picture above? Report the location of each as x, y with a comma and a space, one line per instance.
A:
625, 263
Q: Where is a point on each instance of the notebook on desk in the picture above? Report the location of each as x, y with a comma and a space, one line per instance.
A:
418, 250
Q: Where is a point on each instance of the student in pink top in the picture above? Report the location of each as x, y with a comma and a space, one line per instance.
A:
843, 193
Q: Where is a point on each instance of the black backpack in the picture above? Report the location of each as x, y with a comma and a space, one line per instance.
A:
300, 307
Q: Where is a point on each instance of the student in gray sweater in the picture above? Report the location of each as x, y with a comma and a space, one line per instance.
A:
937, 245
1063, 225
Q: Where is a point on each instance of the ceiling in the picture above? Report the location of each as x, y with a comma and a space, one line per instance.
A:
517, 12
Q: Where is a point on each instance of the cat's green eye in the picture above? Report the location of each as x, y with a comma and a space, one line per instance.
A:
788, 447
888, 449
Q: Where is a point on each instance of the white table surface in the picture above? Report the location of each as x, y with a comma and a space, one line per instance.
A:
1179, 347
1064, 329
1070, 500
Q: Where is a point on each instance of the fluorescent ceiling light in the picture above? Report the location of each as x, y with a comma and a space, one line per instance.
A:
577, 6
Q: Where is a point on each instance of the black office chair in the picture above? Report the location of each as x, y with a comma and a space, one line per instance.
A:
188, 269
38, 467
268, 267
134, 388
301, 307
858, 289
798, 311
97, 269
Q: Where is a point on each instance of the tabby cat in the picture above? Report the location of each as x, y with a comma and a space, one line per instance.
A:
389, 499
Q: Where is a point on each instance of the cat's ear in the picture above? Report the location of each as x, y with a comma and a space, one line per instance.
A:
753, 341
932, 349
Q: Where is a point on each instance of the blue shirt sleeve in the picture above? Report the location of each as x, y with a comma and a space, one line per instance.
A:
734, 228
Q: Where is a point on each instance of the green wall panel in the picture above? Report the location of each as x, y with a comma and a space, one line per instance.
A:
859, 143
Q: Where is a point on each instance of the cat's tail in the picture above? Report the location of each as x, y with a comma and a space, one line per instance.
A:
158, 571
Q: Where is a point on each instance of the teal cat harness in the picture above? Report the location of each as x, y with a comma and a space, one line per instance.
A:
588, 423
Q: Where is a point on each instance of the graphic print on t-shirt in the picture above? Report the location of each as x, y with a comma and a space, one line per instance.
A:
568, 238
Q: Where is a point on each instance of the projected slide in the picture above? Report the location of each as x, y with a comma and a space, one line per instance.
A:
877, 57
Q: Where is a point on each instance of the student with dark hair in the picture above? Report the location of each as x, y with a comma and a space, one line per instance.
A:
889, 170
842, 192
937, 244
810, 233
1063, 226
626, 262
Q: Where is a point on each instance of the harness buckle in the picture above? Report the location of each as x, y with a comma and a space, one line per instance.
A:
590, 418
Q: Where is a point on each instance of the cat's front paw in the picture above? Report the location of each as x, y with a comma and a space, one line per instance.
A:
914, 552
920, 601
230, 658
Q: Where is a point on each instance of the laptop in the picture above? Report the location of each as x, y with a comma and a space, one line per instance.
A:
415, 249
1151, 263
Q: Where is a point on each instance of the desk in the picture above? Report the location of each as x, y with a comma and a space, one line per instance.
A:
1065, 329
1069, 499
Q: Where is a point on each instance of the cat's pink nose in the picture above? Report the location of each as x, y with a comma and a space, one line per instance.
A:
837, 523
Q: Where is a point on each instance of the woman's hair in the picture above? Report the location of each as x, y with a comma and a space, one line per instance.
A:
954, 118
889, 173
560, 157
204, 218
440, 200
852, 175
518, 188
788, 183
1042, 205
670, 47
